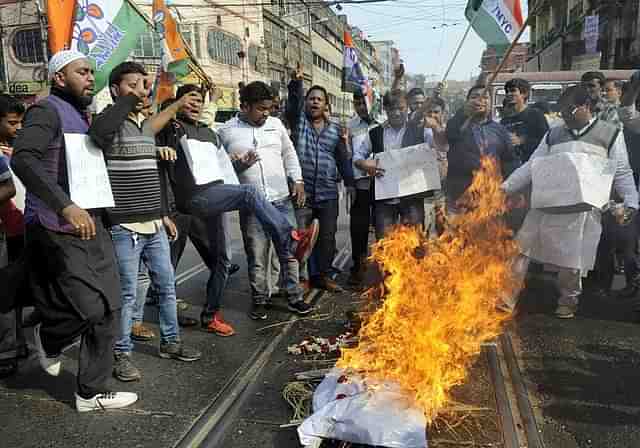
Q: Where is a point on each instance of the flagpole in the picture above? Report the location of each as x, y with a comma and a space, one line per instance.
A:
503, 62
464, 38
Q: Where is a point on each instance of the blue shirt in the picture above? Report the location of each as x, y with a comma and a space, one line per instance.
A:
5, 174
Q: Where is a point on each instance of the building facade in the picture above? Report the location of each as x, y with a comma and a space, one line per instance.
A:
491, 59
584, 35
387, 57
23, 51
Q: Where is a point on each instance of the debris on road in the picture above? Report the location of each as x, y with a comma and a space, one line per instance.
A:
315, 344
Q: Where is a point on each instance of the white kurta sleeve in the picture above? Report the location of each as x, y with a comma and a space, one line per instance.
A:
521, 177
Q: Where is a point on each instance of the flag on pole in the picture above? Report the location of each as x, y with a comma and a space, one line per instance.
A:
497, 22
175, 59
106, 31
60, 18
353, 79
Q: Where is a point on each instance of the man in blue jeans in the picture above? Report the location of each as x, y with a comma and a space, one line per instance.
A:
139, 218
265, 157
207, 196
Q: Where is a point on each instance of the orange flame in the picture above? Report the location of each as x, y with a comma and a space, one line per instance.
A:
439, 308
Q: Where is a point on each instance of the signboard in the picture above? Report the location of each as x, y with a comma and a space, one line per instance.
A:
23, 88
591, 33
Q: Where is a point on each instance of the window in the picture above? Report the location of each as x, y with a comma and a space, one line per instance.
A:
223, 47
27, 46
197, 39
253, 57
148, 46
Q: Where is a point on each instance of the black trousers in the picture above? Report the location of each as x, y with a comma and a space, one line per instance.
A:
359, 223
194, 228
620, 239
326, 212
12, 341
76, 289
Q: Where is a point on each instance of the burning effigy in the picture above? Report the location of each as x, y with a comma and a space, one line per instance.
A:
440, 301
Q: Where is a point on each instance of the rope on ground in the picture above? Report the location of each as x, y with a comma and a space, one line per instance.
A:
315, 317
298, 395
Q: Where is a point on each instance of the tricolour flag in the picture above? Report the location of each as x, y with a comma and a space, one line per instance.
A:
353, 79
107, 31
60, 19
497, 22
175, 59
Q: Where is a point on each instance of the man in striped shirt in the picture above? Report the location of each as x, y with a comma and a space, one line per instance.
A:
139, 221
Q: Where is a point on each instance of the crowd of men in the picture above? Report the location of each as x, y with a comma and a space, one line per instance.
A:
173, 176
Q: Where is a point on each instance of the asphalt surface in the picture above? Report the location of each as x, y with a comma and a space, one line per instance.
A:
582, 374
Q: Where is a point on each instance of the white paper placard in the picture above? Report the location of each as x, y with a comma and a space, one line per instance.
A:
203, 161
575, 181
89, 185
408, 171
228, 173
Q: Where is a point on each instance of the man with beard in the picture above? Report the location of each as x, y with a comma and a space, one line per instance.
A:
265, 157
209, 199
76, 285
602, 109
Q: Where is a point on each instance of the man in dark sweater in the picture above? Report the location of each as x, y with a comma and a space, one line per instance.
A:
209, 197
140, 216
527, 125
472, 134
74, 276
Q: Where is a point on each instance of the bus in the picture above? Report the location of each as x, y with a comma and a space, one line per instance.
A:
545, 86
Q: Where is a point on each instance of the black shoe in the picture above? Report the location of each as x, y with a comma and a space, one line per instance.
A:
628, 292
300, 307
185, 321
179, 351
233, 269
205, 319
258, 312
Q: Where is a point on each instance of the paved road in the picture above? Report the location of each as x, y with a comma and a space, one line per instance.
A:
583, 374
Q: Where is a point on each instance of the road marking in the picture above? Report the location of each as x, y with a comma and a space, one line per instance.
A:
190, 273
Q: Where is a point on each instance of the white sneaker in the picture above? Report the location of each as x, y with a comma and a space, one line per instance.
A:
51, 365
107, 400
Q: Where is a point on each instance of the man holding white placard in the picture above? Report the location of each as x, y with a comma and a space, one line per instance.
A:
208, 196
140, 216
76, 285
395, 134
563, 228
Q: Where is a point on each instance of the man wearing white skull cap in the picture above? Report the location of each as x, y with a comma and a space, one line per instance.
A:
76, 285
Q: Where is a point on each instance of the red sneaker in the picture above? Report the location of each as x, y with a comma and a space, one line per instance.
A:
219, 326
306, 240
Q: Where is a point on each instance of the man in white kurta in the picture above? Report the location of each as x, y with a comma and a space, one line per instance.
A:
562, 238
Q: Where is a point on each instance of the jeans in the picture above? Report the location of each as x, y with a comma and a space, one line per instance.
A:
407, 211
209, 204
131, 248
259, 251
321, 260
